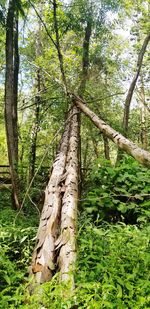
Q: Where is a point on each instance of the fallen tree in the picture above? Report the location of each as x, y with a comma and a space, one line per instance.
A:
56, 237
122, 142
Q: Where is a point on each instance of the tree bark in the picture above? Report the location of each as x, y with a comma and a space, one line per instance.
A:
67, 240
122, 142
43, 261
106, 147
15, 86
10, 115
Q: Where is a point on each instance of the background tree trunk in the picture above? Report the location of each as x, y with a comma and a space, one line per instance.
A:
133, 84
15, 86
106, 147
11, 88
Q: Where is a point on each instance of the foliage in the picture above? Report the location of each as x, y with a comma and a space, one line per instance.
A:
112, 271
113, 237
120, 193
16, 245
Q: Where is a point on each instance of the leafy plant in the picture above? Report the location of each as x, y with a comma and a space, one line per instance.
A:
120, 193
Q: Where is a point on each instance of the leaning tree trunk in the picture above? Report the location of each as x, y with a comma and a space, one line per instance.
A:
67, 240
43, 261
9, 104
122, 142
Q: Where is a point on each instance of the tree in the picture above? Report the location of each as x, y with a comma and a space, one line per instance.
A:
11, 90
38, 102
57, 229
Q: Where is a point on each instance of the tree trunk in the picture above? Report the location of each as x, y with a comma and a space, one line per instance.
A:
33, 141
123, 143
10, 105
43, 261
82, 86
35, 126
143, 113
133, 84
67, 240
15, 86
106, 147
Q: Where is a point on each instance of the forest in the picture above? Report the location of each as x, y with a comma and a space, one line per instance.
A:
75, 154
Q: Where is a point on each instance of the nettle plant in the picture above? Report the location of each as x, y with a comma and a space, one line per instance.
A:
120, 193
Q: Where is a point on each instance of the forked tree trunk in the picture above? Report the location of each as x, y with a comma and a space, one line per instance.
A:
123, 143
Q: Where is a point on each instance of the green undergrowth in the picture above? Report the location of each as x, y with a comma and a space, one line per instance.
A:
113, 252
112, 269
120, 193
17, 236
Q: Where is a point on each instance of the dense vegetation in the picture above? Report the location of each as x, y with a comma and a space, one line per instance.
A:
112, 269
96, 52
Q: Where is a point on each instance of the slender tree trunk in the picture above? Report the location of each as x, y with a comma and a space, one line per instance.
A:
133, 84
106, 147
15, 86
95, 148
59, 52
10, 115
35, 126
33, 141
123, 143
143, 113
84, 161
82, 86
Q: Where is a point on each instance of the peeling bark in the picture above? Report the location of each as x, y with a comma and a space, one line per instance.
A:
67, 240
122, 142
43, 261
